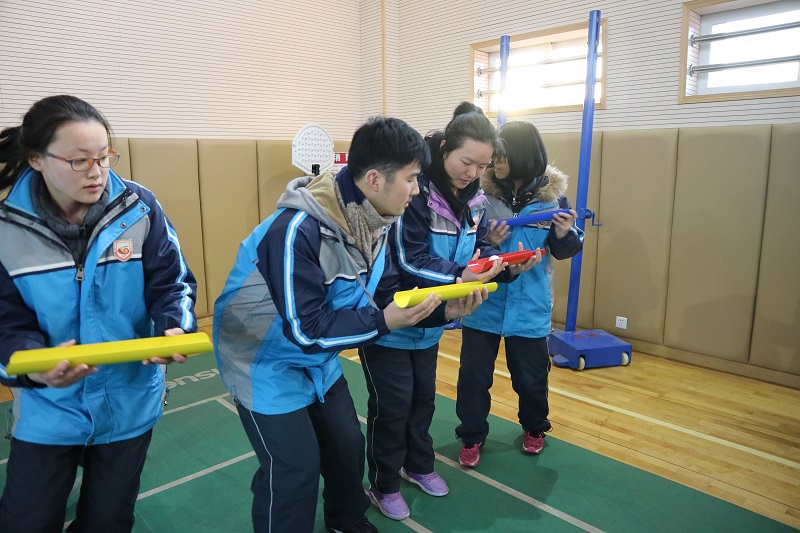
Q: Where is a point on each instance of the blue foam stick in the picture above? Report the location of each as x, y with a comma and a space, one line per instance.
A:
532, 219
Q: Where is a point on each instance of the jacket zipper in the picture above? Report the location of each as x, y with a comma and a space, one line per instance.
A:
110, 207
81, 256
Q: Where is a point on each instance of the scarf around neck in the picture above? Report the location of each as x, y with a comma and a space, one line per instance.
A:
364, 223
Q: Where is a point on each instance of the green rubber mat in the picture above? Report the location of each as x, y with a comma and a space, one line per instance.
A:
199, 467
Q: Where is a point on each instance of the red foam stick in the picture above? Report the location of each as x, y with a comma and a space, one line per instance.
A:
512, 258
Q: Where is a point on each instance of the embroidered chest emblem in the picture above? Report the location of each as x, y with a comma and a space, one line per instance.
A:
123, 249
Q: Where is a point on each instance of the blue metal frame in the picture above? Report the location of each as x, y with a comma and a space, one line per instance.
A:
590, 348
505, 45
584, 166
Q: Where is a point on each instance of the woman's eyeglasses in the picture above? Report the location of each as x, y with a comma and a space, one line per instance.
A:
82, 164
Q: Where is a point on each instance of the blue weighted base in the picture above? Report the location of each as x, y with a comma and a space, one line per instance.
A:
588, 349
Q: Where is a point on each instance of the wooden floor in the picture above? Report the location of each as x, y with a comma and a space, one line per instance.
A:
732, 437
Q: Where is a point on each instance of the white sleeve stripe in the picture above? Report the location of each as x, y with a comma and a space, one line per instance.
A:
187, 319
291, 311
408, 267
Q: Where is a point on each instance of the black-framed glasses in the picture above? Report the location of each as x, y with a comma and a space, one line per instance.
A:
82, 164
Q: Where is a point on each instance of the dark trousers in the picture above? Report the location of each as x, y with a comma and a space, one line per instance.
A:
293, 449
402, 391
529, 364
39, 479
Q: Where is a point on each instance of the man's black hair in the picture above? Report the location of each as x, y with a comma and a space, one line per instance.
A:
386, 145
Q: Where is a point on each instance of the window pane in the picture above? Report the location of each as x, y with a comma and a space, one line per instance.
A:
533, 81
751, 48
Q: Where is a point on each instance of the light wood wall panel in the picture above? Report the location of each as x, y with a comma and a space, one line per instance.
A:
776, 329
563, 151
123, 168
275, 170
371, 60
250, 70
636, 203
228, 176
242, 69
717, 226
643, 61
168, 167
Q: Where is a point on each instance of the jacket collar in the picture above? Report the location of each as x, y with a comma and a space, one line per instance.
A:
20, 197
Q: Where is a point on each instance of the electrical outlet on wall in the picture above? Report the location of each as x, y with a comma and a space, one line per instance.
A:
622, 322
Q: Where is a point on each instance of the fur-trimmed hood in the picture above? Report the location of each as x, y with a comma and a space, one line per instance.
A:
554, 188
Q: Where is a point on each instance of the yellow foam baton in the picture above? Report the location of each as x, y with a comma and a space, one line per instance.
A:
107, 353
447, 292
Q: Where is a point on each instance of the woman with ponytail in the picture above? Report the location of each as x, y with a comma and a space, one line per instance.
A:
86, 258
441, 231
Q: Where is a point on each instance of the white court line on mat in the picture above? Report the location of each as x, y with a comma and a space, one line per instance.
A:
513, 492
524, 497
196, 475
411, 524
228, 405
201, 402
658, 422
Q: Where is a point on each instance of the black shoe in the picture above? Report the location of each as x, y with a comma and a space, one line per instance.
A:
362, 526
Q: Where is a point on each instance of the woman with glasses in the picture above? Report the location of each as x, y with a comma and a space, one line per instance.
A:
519, 183
86, 258
440, 232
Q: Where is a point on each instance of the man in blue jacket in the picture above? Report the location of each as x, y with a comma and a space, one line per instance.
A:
311, 280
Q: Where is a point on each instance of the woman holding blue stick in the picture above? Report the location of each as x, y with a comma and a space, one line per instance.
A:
519, 184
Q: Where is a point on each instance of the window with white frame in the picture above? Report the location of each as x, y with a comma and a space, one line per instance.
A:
736, 47
546, 72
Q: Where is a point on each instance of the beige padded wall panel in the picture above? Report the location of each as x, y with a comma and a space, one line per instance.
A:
229, 205
275, 170
563, 151
776, 327
168, 167
638, 188
123, 167
717, 226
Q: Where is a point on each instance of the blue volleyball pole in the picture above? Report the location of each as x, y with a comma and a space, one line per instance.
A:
584, 166
505, 45
589, 348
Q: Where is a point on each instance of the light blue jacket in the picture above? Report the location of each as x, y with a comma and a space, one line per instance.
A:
123, 295
523, 308
300, 292
431, 248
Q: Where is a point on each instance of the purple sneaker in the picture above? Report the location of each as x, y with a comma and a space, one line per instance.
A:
391, 504
431, 483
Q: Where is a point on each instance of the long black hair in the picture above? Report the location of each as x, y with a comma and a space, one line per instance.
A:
39, 126
468, 122
524, 150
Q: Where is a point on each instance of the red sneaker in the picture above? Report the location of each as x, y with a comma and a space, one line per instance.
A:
534, 442
470, 455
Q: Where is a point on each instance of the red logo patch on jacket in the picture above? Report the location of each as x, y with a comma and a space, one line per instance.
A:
123, 249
